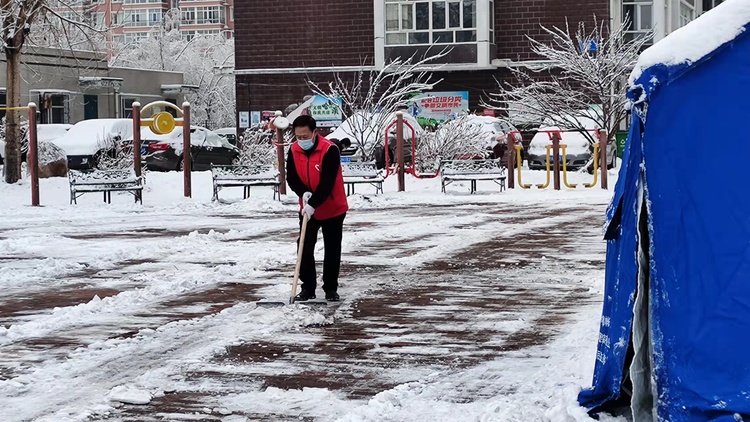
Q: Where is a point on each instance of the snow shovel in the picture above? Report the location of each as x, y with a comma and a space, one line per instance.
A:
303, 232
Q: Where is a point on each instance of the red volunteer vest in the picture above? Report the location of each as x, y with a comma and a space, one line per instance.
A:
308, 169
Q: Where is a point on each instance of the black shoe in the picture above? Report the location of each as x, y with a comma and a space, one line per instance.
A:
332, 297
304, 296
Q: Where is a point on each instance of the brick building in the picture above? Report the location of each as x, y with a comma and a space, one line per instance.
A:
130, 20
276, 52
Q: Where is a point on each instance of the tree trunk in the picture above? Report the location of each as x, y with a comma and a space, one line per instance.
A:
13, 117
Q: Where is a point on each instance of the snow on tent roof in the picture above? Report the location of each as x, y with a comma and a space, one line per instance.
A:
683, 48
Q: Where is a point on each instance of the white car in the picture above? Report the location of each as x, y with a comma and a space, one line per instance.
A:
44, 133
228, 133
490, 130
363, 131
578, 144
88, 139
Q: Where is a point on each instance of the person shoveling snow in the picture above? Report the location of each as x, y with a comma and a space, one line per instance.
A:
314, 174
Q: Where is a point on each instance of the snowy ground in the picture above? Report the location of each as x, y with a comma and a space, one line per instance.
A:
456, 307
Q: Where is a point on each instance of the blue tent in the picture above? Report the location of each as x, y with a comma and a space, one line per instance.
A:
674, 341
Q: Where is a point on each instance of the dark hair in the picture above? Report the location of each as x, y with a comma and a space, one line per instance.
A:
346, 142
305, 121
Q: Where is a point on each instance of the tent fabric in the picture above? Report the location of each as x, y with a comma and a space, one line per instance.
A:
620, 282
700, 224
689, 154
660, 75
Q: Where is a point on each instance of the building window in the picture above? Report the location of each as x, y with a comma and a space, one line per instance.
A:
433, 21
135, 17
687, 11
55, 108
640, 16
187, 16
154, 17
127, 107
98, 20
492, 22
710, 4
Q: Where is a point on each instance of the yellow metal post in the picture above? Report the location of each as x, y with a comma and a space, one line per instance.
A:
596, 164
565, 167
518, 157
549, 170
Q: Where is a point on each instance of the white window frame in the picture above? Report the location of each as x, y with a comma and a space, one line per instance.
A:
713, 3
407, 27
482, 27
687, 12
638, 28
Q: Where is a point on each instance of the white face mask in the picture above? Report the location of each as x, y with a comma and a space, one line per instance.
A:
305, 144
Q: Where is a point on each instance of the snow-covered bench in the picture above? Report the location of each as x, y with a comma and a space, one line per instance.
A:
472, 171
355, 173
106, 181
245, 176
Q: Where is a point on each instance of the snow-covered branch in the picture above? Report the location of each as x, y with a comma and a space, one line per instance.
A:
199, 59
459, 138
584, 79
375, 95
256, 147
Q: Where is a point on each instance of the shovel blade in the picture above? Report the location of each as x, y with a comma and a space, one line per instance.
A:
309, 304
270, 304
316, 304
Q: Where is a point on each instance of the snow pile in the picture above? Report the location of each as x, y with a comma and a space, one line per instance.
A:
697, 39
129, 395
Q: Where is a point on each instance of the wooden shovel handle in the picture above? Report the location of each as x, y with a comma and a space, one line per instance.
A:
300, 247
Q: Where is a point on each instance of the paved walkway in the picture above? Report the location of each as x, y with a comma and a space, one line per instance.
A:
464, 302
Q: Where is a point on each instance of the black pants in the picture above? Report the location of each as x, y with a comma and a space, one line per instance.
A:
332, 233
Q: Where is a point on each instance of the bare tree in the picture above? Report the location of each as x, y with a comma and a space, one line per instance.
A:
453, 139
204, 60
19, 19
580, 77
119, 155
373, 96
256, 146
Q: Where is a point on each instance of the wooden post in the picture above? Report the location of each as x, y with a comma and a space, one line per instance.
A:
33, 156
556, 159
282, 161
603, 156
400, 150
137, 139
511, 175
186, 155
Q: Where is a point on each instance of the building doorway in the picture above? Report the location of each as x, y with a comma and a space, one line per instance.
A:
90, 107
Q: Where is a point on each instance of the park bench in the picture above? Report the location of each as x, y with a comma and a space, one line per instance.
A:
245, 176
361, 172
105, 181
472, 171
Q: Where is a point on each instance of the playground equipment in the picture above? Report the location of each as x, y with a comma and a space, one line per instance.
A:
162, 123
549, 171
401, 168
554, 161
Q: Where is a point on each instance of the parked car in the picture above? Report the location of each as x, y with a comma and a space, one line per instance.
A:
165, 152
579, 147
492, 131
362, 129
87, 140
45, 133
228, 133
